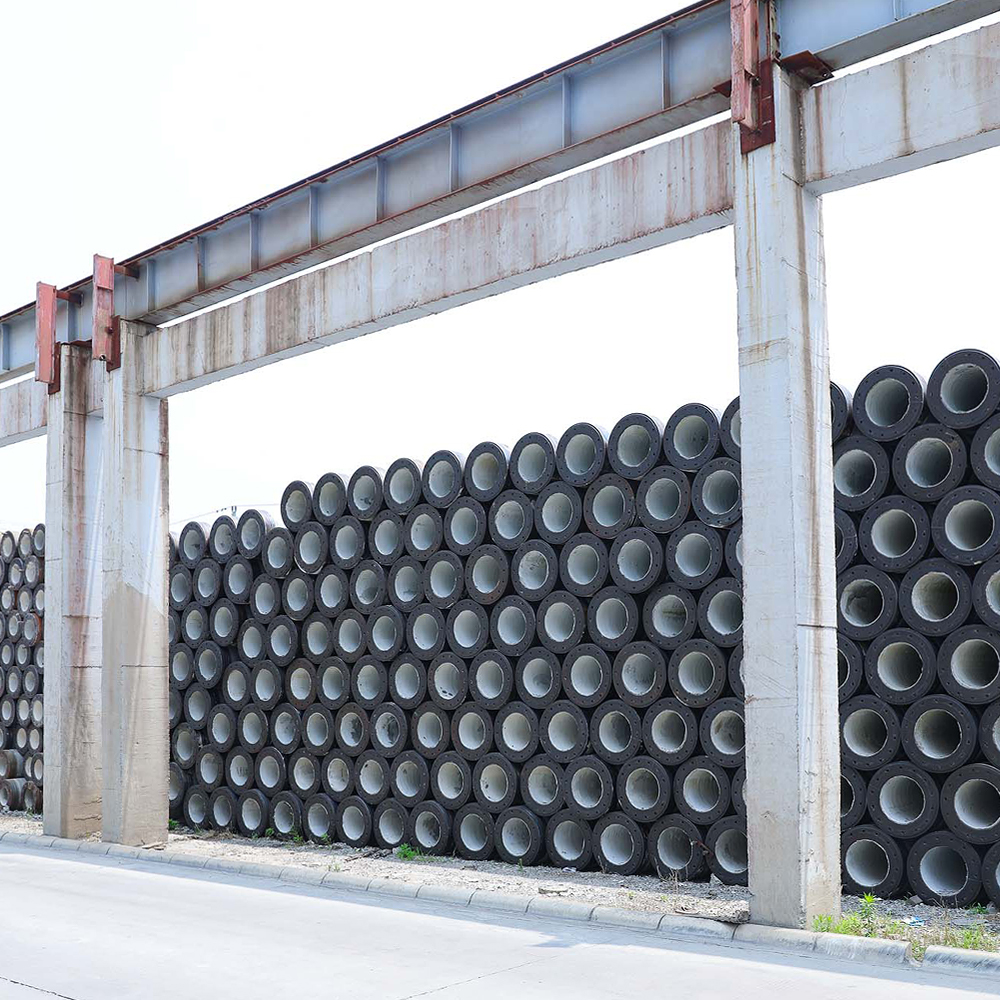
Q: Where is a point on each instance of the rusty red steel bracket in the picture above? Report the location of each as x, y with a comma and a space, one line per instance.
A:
48, 367
752, 90
106, 325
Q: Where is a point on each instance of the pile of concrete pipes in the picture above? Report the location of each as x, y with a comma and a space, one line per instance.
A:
22, 668
536, 654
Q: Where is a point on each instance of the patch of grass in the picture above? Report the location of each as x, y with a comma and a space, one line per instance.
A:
172, 824
269, 833
406, 853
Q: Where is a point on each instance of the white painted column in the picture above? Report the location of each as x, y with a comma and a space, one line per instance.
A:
789, 625
135, 679
73, 526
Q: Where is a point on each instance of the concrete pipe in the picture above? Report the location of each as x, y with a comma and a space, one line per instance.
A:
583, 565
589, 788
663, 499
301, 684
221, 728
727, 852
206, 582
693, 555
270, 771
869, 733
423, 532
903, 800
969, 664
615, 731
443, 580
365, 493
691, 437
929, 462
222, 539
237, 579
185, 743
318, 731
612, 618
494, 783
871, 862
676, 848
367, 586
389, 824
986, 593
441, 481
181, 659
239, 770
984, 453
841, 409
8, 596
537, 677
670, 615
349, 636
845, 536
36, 735
408, 681
491, 679
429, 828
319, 818
542, 783
405, 584
252, 728
21, 733
181, 592
866, 602
337, 774
472, 731
860, 472
177, 784
11, 764
534, 570
333, 683
587, 675
532, 463
894, 534
939, 734
352, 729
519, 836
853, 797
331, 591
888, 402
385, 537
581, 453
723, 733
222, 807
430, 730
989, 734
636, 560
619, 845
425, 631
487, 573
253, 813
224, 620
964, 388
192, 544
701, 790
8, 546
317, 638
669, 732
7, 653
558, 513
966, 525
485, 475
266, 685
715, 493
935, 597
639, 674
329, 499
451, 780
209, 769
401, 486
447, 681
970, 803
697, 672
175, 710
354, 822
634, 445
347, 542
720, 612
465, 524
563, 731
296, 507
609, 506
472, 830
944, 869
734, 671
8, 713
386, 633
990, 873
195, 809
277, 556
516, 732
901, 666
561, 619
390, 731
194, 624
371, 777
311, 547
409, 778
512, 625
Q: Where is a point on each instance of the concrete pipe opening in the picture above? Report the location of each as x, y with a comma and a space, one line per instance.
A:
509, 520
371, 777
635, 559
486, 574
304, 773
543, 785
569, 840
225, 621
560, 621
944, 871
443, 579
441, 479
674, 849
222, 728
284, 818
537, 677
617, 845
193, 549
516, 837
533, 570
493, 783
197, 806
557, 512
352, 822
899, 666
423, 532
862, 602
486, 472
696, 673
180, 588
693, 554
701, 790
277, 552
464, 525
720, 492
975, 664
472, 731
239, 577
670, 616
691, 436
992, 593
332, 684
407, 584
301, 683
402, 486
663, 499
311, 546
390, 826
350, 635
964, 388
281, 640
731, 851
252, 814
472, 831
252, 729
317, 638
318, 821
185, 744
929, 462
352, 729
298, 506
615, 732
642, 789
447, 680
384, 633
902, 800
210, 768
634, 445
330, 499
669, 731
270, 773
583, 565
991, 453
450, 780
331, 591
969, 525
865, 732
854, 472
427, 830
196, 623
426, 631
977, 804
587, 788
532, 462
934, 596
847, 797
387, 731
489, 679
580, 454
867, 863
367, 586
609, 506
563, 732
318, 729
386, 537
467, 628
937, 733
638, 674
364, 493
512, 625
727, 732
894, 533
725, 612
222, 812
346, 543
408, 779
429, 730
586, 675
407, 681
181, 666
611, 618
887, 402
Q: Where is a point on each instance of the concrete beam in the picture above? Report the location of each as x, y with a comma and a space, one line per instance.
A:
24, 407
936, 104
789, 578
134, 680
656, 196
73, 652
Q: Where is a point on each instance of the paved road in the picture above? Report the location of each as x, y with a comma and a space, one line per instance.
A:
97, 929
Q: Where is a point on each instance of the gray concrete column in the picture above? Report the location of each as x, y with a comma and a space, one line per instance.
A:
135, 678
789, 625
73, 526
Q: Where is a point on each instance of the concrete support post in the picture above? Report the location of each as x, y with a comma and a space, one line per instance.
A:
135, 679
790, 638
73, 528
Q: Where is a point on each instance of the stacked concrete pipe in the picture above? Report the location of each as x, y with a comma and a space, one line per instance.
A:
535, 655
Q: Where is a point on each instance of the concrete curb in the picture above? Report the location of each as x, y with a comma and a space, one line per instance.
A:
702, 930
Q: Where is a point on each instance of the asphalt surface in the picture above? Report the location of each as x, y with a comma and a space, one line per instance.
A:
91, 928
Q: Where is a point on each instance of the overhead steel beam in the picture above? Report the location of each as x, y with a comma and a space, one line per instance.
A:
651, 81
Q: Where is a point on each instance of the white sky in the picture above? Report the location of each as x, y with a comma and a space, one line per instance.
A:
126, 123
